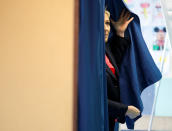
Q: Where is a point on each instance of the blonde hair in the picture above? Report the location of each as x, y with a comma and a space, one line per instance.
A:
107, 12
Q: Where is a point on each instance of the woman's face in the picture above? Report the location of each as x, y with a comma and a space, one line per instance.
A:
106, 27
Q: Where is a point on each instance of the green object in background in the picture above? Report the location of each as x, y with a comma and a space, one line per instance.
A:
155, 47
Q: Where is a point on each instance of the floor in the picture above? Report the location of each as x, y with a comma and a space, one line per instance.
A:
159, 124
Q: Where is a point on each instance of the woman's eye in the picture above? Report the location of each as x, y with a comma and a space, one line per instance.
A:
107, 23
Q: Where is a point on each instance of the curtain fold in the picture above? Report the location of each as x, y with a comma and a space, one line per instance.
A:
92, 93
138, 69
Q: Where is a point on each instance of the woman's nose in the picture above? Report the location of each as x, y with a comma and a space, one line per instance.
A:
106, 27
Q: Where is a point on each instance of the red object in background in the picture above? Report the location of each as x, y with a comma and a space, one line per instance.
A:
144, 5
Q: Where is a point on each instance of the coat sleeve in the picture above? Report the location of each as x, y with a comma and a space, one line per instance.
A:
118, 47
117, 110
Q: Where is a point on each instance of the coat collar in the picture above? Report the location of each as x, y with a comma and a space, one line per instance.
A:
113, 62
110, 72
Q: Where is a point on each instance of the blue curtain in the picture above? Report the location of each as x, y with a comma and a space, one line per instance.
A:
92, 94
138, 69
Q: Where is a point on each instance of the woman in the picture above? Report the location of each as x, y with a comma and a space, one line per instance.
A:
115, 48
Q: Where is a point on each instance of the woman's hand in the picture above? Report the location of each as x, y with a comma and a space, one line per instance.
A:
122, 23
132, 112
